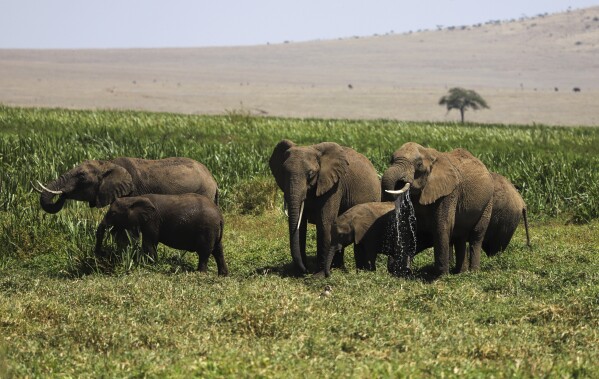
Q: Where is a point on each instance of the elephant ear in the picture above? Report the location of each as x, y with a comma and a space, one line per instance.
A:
442, 180
115, 182
276, 161
142, 210
333, 165
360, 229
370, 216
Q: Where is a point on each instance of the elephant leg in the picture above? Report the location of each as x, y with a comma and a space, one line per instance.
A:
445, 221
339, 259
391, 264
302, 239
323, 244
203, 256
442, 249
477, 235
474, 251
474, 258
360, 257
220, 260
461, 260
371, 260
325, 221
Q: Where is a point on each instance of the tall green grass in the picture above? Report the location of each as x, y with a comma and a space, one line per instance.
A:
553, 166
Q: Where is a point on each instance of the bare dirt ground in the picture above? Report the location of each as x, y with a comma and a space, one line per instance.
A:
525, 69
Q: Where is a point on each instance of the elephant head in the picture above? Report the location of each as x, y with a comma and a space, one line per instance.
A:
97, 182
305, 172
125, 213
428, 174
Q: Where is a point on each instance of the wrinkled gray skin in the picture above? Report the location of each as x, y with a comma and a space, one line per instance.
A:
329, 179
453, 199
508, 207
101, 182
189, 222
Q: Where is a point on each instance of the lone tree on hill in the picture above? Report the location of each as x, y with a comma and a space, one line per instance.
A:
462, 99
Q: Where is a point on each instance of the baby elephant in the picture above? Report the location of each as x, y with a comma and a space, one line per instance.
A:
187, 222
364, 225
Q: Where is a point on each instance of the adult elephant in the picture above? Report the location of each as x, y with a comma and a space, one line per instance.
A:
508, 208
453, 199
100, 182
319, 183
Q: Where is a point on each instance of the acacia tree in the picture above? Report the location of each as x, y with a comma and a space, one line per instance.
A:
462, 99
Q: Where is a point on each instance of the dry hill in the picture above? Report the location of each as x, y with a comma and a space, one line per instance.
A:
526, 69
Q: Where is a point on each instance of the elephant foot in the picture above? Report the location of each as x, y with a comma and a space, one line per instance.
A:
319, 275
300, 272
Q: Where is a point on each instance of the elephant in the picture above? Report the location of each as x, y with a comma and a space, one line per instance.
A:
100, 182
189, 222
453, 199
364, 225
508, 207
319, 183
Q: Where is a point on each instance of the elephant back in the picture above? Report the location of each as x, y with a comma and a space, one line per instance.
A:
169, 176
362, 184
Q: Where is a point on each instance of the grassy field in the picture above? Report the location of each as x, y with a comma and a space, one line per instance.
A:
527, 313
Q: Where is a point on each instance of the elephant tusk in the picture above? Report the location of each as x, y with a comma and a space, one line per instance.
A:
299, 221
49, 190
285, 208
35, 188
398, 192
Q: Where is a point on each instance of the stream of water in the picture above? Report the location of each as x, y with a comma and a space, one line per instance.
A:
400, 236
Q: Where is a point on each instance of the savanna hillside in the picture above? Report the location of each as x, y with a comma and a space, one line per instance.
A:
525, 68
526, 313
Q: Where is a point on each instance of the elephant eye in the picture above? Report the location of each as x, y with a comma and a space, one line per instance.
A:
82, 177
310, 174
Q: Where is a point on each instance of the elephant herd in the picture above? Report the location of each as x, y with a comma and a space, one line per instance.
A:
459, 205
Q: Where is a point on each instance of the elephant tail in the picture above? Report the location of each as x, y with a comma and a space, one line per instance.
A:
526, 226
222, 228
216, 198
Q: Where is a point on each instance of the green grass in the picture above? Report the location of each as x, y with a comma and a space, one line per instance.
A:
527, 313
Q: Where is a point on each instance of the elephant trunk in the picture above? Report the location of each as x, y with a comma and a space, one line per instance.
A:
100, 237
329, 259
526, 226
296, 209
48, 194
394, 178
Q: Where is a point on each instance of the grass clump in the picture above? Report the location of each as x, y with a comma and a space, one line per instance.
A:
255, 196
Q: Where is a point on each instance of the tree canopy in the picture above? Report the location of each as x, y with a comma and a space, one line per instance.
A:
462, 99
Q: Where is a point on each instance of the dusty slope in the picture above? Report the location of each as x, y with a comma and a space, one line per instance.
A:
516, 66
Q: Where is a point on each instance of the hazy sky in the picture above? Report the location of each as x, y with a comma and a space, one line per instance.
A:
181, 23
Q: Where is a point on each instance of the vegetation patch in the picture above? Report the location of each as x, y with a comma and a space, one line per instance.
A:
526, 313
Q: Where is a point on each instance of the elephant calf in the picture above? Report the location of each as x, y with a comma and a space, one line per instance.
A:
188, 222
365, 225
